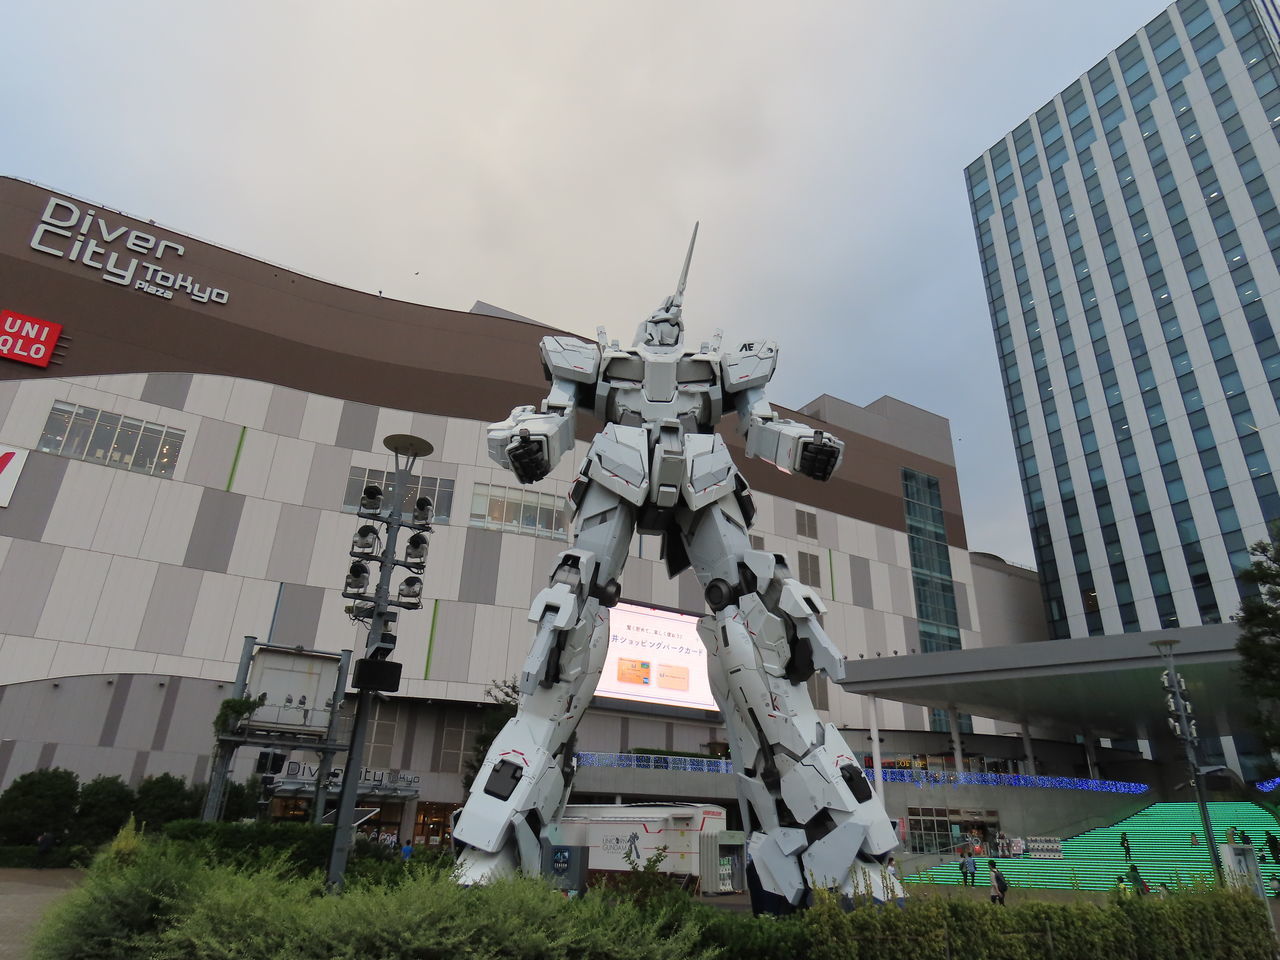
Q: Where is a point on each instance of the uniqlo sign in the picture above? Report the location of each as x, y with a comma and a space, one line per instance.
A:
11, 461
27, 339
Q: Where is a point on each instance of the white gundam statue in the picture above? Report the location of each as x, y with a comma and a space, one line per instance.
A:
659, 467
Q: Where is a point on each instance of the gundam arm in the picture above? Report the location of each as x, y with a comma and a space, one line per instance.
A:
531, 441
788, 445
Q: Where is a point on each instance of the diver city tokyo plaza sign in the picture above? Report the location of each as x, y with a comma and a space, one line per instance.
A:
27, 339
119, 253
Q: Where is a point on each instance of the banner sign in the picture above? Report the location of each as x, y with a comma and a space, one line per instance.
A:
119, 254
27, 339
11, 461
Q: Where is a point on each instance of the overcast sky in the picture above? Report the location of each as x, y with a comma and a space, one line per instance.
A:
552, 157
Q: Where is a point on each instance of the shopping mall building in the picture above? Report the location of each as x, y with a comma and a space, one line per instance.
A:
184, 434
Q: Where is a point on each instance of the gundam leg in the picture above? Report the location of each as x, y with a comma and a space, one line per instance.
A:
813, 817
527, 769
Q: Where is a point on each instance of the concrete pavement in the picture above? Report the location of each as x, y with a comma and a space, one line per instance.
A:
24, 897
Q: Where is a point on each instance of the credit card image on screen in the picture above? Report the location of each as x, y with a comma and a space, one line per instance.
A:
655, 656
633, 671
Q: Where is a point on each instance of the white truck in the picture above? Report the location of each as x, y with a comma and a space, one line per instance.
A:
694, 834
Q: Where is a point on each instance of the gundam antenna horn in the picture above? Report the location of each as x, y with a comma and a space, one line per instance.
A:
678, 300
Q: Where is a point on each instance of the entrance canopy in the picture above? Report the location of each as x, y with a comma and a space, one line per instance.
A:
1108, 685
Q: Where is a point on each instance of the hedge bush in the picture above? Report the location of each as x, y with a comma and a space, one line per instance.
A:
36, 802
151, 898
158, 902
105, 806
301, 846
62, 855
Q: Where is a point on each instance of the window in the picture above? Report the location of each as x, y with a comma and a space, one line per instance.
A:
936, 610
85, 433
939, 722
807, 524
382, 730
810, 569
929, 829
518, 511
440, 491
459, 727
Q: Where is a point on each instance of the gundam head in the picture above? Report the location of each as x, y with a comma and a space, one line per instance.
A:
665, 328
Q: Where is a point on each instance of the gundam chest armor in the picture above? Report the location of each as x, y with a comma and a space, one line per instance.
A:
658, 449
658, 467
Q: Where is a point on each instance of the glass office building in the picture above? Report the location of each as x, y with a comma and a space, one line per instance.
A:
1129, 240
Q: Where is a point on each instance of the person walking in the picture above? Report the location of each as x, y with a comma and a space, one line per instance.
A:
1231, 834
44, 845
1136, 882
1244, 839
1195, 839
969, 869
1124, 845
1273, 846
999, 885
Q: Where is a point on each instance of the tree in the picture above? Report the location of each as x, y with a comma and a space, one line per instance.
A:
242, 799
164, 798
1259, 643
105, 805
504, 694
38, 801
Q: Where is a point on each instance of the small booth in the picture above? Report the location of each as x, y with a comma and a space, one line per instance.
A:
723, 862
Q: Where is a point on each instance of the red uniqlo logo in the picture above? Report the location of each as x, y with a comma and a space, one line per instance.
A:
27, 339
11, 461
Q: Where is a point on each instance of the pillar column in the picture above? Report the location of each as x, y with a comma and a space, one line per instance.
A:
953, 720
409, 820
1029, 757
873, 721
1090, 756
1230, 755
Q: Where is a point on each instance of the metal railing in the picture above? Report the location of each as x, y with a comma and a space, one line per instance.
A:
655, 761
951, 778
921, 778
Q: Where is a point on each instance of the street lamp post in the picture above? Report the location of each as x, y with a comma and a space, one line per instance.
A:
1184, 730
375, 672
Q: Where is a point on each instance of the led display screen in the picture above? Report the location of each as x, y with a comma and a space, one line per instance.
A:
655, 656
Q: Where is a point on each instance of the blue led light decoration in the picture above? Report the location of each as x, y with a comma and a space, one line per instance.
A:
921, 778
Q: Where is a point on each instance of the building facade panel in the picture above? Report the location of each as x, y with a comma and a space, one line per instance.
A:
193, 479
1124, 237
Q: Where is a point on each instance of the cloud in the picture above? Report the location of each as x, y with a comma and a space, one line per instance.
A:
552, 157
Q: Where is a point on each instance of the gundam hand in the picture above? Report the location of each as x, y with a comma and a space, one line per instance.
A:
529, 443
794, 447
819, 456
528, 457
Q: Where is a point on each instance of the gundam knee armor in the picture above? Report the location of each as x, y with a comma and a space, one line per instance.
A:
523, 781
814, 818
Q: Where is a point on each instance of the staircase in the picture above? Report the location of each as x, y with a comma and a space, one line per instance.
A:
1159, 838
